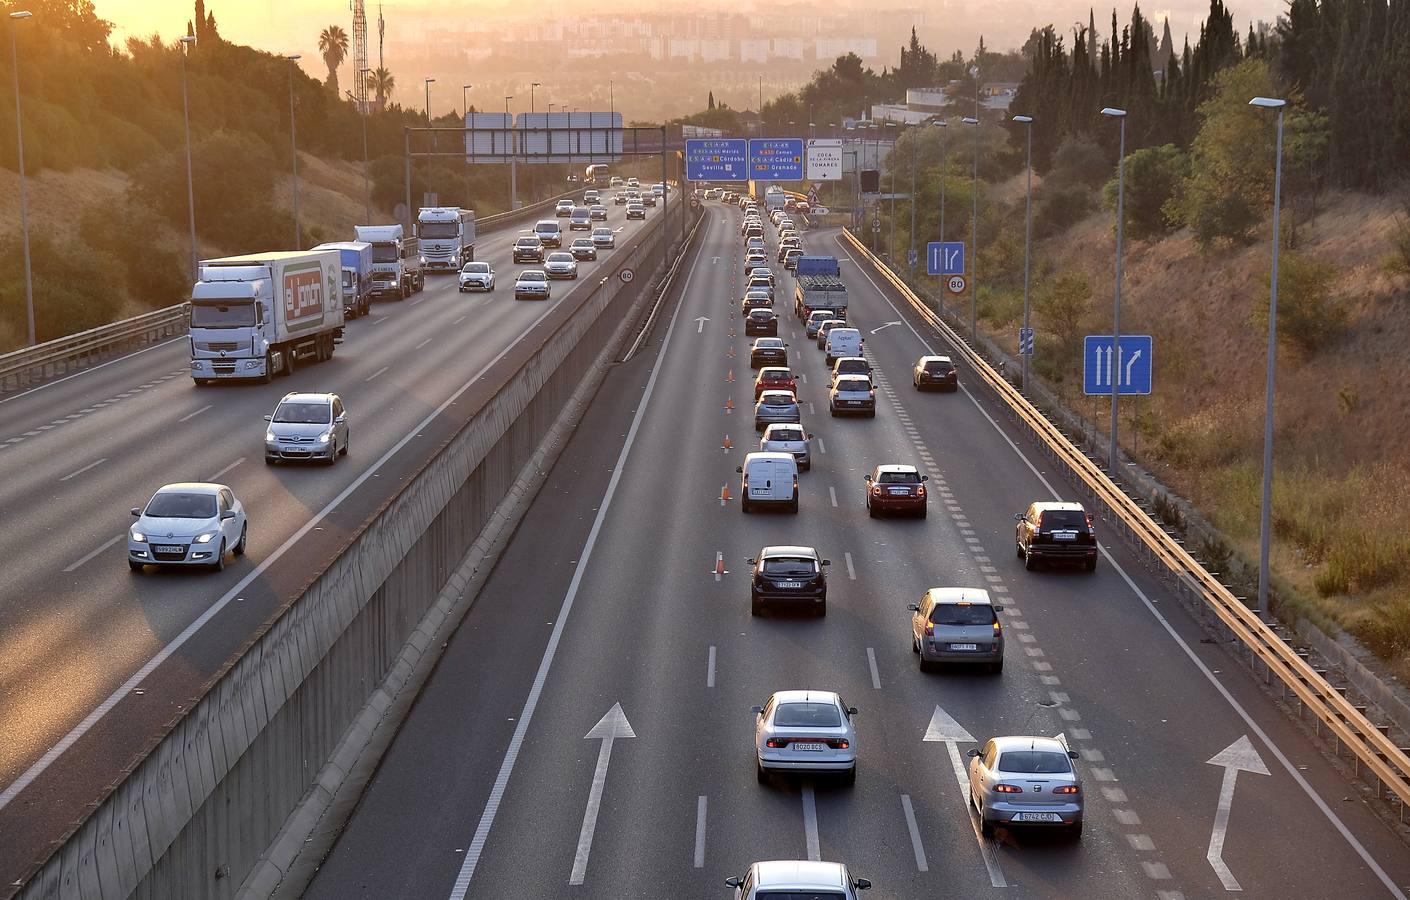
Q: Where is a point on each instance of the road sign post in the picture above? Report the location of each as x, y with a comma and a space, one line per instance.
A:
944, 258
1130, 364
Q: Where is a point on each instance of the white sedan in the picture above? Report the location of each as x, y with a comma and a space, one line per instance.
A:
561, 264
187, 524
805, 731
476, 276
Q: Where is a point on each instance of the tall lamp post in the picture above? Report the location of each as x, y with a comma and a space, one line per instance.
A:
465, 120
429, 81
366, 181
293, 59
1027, 122
974, 235
1266, 510
942, 125
891, 153
513, 158
531, 95
24, 199
1115, 367
911, 257
187, 40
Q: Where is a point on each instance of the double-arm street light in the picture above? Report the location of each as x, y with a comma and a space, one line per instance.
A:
293, 59
24, 199
1027, 122
1115, 367
187, 41
974, 233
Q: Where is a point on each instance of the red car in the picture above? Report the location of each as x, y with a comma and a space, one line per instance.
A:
895, 488
775, 378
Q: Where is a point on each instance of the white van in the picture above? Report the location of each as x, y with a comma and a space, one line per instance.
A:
549, 232
842, 342
770, 479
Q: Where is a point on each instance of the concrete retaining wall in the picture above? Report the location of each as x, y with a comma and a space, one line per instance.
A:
193, 820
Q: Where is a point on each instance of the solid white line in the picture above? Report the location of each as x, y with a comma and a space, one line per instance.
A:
1292, 770
516, 742
14, 789
871, 664
418, 299
991, 861
196, 413
423, 343
832, 493
4, 797
459, 320
822, 448
226, 469
916, 845
710, 669
110, 362
700, 830
381, 320
376, 373
91, 465
810, 822
851, 572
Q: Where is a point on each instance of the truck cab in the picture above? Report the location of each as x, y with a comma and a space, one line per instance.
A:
396, 261
447, 236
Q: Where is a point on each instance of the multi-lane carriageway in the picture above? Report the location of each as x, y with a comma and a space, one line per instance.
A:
606, 619
94, 659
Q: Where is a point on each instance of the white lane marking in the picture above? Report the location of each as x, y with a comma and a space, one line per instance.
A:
810, 822
14, 789
5, 797
226, 469
916, 845
461, 319
710, 669
423, 343
516, 742
92, 465
381, 320
822, 448
376, 373
871, 664
193, 415
1332, 817
612, 726
851, 572
832, 494
110, 362
417, 300
700, 830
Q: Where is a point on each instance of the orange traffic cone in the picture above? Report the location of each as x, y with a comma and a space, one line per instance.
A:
729, 404
727, 443
719, 565
724, 495
730, 377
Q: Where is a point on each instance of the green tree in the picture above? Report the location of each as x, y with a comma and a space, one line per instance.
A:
333, 44
1308, 317
381, 82
1153, 175
1062, 305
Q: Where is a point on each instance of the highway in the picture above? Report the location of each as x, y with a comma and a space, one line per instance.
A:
95, 659
588, 731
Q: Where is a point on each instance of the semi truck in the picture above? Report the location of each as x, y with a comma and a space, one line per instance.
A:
396, 260
252, 316
447, 235
819, 286
357, 275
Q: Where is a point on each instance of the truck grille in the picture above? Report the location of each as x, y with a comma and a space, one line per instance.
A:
217, 346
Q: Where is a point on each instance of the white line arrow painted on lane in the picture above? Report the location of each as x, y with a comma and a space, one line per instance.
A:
887, 325
944, 729
610, 727
700, 323
1240, 756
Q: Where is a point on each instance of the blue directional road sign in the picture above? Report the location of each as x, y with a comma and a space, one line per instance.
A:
911, 256
1131, 366
716, 159
1025, 341
776, 159
944, 258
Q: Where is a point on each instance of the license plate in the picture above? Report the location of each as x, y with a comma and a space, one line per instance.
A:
790, 584
964, 646
167, 548
812, 747
1068, 536
1036, 817
902, 492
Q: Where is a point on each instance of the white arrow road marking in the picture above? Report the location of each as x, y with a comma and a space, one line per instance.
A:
944, 729
887, 325
1131, 362
700, 323
714, 260
1240, 756
610, 727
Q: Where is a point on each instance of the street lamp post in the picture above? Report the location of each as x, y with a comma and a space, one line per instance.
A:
429, 82
531, 95
366, 181
911, 257
891, 240
465, 120
24, 199
1027, 122
293, 59
1266, 510
1115, 367
974, 234
944, 172
187, 40
513, 159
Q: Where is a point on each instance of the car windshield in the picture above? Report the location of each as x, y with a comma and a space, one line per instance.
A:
1064, 518
808, 715
530, 242
962, 614
434, 230
477, 268
899, 478
580, 214
234, 314
384, 253
785, 434
532, 276
560, 257
547, 228
305, 413
1035, 762
583, 243
181, 506
602, 232
794, 894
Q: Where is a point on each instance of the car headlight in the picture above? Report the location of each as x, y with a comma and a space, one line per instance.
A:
204, 538
138, 536
324, 437
269, 436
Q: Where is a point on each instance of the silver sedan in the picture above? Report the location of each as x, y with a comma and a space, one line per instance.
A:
774, 408
561, 264
1025, 781
805, 731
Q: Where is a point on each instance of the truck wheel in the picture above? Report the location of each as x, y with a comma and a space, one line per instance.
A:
331, 346
289, 364
268, 369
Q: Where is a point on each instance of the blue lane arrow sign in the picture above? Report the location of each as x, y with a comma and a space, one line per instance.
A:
944, 258
1130, 365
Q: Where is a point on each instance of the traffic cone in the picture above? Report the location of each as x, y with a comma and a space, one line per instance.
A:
730, 377
719, 565
724, 495
727, 443
729, 404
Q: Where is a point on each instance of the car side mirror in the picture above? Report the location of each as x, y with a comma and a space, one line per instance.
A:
972, 752
341, 419
753, 561
866, 478
810, 435
827, 562
925, 478
1072, 754
733, 881
851, 710
862, 884
1018, 517
998, 609
137, 511
785, 345
269, 418
739, 469
913, 607
228, 514
757, 710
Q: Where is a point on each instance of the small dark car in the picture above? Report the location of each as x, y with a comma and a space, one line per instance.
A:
768, 351
935, 372
896, 488
788, 575
1056, 532
761, 322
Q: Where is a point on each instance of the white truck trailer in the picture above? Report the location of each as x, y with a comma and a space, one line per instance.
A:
255, 315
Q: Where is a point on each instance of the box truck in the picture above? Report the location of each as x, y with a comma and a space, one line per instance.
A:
357, 275
396, 261
447, 236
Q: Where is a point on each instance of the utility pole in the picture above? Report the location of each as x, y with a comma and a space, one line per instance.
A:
24, 197
1113, 454
187, 41
294, 149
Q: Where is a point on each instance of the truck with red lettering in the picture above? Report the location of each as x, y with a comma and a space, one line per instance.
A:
259, 315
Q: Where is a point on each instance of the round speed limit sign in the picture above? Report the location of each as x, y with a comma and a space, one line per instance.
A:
956, 284
626, 275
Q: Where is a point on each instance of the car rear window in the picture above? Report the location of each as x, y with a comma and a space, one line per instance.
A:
962, 614
808, 715
182, 506
936, 365
1035, 762
789, 565
799, 895
853, 365
770, 343
761, 315
786, 434
774, 377
853, 384
777, 398
900, 478
1063, 518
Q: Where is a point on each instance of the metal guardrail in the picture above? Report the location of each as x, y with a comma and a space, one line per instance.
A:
31, 365
666, 281
1372, 748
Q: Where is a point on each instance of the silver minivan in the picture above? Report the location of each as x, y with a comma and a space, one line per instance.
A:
769, 479
306, 426
957, 625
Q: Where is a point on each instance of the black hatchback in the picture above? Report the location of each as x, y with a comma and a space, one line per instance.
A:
792, 576
1056, 532
761, 322
935, 372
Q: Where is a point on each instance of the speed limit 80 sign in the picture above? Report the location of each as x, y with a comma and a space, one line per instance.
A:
955, 284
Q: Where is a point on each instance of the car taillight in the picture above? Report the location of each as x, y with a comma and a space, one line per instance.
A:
1091, 529
997, 627
929, 629
1007, 789
1067, 789
876, 491
920, 491
838, 743
776, 743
